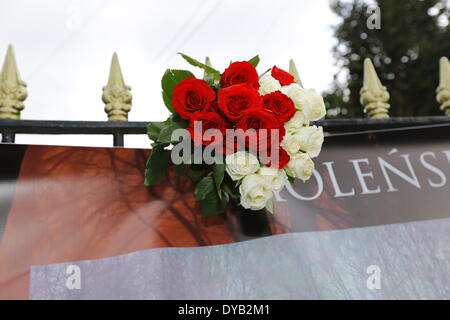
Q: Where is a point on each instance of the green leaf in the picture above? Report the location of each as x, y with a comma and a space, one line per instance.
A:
165, 135
167, 99
180, 169
204, 187
197, 173
213, 204
154, 129
254, 61
176, 118
231, 191
169, 81
229, 186
156, 166
205, 67
218, 173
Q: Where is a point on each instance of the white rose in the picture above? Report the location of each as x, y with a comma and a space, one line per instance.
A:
317, 108
292, 143
301, 167
295, 92
241, 164
275, 177
296, 122
255, 192
307, 139
268, 84
311, 140
310, 103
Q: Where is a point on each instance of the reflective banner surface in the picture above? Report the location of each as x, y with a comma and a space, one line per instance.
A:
78, 223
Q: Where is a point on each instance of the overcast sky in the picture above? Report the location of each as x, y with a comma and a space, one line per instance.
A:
64, 49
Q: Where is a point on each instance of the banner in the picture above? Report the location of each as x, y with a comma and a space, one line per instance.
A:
78, 223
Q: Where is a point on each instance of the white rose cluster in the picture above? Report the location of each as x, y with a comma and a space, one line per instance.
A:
301, 167
302, 147
257, 182
308, 139
303, 142
307, 101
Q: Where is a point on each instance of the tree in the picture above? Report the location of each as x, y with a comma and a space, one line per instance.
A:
414, 34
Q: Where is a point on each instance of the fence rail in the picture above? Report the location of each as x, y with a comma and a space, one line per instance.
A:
118, 101
9, 128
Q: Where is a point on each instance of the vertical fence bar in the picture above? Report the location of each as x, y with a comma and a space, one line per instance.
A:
8, 136
118, 140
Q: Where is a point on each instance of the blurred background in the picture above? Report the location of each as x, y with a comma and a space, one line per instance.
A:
64, 48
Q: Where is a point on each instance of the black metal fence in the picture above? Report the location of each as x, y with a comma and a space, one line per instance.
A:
10, 128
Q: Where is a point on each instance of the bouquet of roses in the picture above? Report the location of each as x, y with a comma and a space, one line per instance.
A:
238, 135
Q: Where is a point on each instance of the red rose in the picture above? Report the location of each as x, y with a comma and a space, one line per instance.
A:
284, 77
192, 95
240, 72
280, 105
201, 122
260, 128
234, 100
232, 143
280, 162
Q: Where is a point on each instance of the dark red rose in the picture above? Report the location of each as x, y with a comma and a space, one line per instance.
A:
284, 77
240, 72
201, 122
278, 162
232, 143
234, 100
192, 95
280, 105
259, 129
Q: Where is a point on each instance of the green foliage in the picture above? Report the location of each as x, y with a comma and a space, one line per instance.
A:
405, 52
156, 166
204, 187
180, 169
169, 81
214, 204
219, 173
154, 129
229, 186
196, 63
197, 172
165, 135
212, 200
254, 61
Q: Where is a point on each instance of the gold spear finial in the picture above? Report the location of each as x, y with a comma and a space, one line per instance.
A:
116, 94
443, 91
12, 89
293, 71
374, 96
